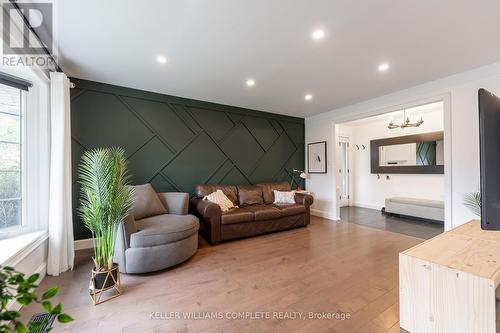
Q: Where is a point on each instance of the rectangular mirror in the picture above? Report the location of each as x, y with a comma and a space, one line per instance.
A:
419, 153
416, 153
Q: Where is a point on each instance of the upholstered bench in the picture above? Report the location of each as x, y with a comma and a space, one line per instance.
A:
421, 208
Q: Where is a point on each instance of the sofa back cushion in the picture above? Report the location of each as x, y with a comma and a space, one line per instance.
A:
268, 188
229, 190
146, 202
250, 195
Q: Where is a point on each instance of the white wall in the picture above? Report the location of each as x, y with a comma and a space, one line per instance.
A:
461, 131
367, 190
324, 196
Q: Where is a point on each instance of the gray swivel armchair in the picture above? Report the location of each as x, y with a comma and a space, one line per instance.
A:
159, 232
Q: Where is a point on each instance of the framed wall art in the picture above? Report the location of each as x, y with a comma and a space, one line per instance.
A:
316, 157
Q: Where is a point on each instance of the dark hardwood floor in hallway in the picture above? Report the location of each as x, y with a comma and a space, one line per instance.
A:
403, 225
325, 268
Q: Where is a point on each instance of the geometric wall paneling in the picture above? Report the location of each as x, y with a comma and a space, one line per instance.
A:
148, 160
262, 131
195, 164
426, 153
183, 113
160, 181
218, 176
235, 176
277, 126
295, 131
99, 119
163, 120
296, 159
242, 148
175, 143
215, 123
236, 118
274, 160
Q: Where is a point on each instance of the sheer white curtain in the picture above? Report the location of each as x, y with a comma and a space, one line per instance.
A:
61, 247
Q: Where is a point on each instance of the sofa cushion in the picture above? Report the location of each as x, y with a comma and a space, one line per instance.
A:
146, 202
249, 195
163, 229
268, 188
264, 212
281, 197
229, 190
289, 210
219, 198
237, 215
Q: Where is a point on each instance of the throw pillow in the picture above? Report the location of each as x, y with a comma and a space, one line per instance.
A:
146, 202
284, 197
250, 195
218, 197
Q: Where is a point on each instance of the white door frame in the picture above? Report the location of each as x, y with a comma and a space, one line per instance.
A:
447, 128
344, 201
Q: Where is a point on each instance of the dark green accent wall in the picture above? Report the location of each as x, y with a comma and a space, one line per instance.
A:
175, 143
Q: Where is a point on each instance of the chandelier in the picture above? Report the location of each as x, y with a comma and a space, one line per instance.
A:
406, 122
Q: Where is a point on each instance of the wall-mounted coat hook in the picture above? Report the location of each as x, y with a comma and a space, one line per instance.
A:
363, 147
357, 147
387, 177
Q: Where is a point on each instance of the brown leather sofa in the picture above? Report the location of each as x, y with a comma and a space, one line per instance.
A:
256, 213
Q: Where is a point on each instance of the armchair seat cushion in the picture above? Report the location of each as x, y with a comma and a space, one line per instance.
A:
163, 229
289, 210
236, 215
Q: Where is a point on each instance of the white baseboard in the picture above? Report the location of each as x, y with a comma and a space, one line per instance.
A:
324, 214
42, 271
82, 244
366, 205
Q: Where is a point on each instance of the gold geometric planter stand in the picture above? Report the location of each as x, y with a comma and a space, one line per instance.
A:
102, 295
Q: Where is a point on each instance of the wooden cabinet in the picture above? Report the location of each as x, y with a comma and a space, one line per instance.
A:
448, 283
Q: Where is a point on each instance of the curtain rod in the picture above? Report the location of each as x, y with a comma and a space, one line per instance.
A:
27, 23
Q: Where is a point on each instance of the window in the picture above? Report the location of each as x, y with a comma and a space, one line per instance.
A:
11, 133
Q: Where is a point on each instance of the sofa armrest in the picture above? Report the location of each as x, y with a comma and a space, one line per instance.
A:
304, 199
207, 209
210, 218
176, 202
122, 243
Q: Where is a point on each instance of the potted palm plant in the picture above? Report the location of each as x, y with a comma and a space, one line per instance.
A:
472, 201
106, 199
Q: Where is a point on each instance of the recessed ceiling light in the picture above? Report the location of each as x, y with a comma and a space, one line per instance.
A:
318, 34
250, 82
161, 59
308, 97
383, 67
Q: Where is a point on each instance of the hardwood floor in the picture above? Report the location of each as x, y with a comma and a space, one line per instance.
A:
324, 268
403, 225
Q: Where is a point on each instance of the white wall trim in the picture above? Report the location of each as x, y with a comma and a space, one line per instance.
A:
324, 214
42, 271
365, 205
23, 253
82, 244
448, 162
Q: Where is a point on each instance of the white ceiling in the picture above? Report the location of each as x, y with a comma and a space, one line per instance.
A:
214, 46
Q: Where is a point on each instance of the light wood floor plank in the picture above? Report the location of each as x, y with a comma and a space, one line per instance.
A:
328, 267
